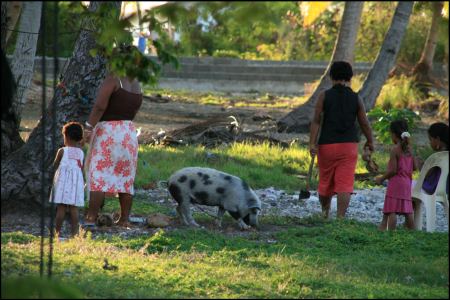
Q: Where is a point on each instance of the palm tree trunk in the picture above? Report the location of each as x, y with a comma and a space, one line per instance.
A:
3, 25
386, 57
422, 70
21, 171
22, 63
299, 119
12, 13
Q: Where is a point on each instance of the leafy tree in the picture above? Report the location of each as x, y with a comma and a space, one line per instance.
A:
299, 118
384, 118
103, 33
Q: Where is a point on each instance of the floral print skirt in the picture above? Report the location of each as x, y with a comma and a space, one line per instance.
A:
112, 158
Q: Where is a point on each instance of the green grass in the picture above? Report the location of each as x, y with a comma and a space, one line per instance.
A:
288, 258
260, 165
325, 259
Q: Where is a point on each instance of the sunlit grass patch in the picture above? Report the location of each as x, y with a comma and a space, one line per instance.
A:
261, 165
227, 99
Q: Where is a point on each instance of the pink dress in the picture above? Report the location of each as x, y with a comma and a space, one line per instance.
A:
398, 195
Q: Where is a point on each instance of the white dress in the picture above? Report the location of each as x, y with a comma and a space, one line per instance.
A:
68, 183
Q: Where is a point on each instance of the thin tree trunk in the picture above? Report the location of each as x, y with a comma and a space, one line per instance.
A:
3, 25
422, 70
299, 119
386, 57
22, 62
12, 13
21, 171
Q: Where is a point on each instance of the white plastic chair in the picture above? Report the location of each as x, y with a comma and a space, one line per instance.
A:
438, 159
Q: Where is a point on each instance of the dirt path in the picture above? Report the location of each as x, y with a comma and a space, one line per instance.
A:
154, 116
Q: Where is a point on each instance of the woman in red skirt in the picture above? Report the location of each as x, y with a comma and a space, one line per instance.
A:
112, 159
337, 148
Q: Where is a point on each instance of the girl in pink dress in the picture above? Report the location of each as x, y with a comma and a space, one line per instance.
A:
400, 168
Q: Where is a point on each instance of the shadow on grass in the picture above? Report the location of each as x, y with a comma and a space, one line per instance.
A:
313, 257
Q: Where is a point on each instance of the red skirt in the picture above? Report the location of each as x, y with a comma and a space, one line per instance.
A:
337, 163
112, 158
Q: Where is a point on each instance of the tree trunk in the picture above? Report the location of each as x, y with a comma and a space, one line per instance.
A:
21, 171
3, 25
299, 119
387, 55
422, 70
12, 15
22, 63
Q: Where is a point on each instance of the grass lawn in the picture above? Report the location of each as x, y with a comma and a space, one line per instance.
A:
260, 165
297, 258
310, 258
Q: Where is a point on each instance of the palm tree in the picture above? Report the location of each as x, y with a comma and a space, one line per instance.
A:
22, 63
10, 14
422, 70
386, 57
300, 118
21, 170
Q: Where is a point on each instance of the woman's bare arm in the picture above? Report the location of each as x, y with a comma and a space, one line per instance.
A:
101, 103
315, 124
364, 124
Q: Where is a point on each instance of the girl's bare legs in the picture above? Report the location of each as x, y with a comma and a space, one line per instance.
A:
126, 200
409, 221
74, 219
325, 203
392, 221
343, 199
59, 219
383, 225
95, 201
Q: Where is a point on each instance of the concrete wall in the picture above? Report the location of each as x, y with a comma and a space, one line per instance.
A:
240, 76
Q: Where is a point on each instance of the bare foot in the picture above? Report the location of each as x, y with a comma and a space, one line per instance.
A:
125, 224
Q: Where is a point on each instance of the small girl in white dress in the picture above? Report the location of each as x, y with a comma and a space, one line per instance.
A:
68, 182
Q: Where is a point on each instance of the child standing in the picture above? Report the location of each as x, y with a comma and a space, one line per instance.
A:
400, 168
68, 182
438, 137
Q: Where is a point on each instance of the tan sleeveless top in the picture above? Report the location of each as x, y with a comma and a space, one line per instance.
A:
123, 105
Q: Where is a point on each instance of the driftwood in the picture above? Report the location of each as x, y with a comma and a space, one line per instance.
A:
157, 98
210, 133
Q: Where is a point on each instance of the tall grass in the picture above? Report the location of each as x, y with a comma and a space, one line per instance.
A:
399, 92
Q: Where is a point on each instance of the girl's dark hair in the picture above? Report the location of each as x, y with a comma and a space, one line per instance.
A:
439, 130
397, 128
341, 70
73, 130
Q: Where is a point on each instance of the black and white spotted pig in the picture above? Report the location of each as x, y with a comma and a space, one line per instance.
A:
206, 186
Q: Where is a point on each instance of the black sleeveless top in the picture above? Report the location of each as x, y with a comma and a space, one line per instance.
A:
340, 109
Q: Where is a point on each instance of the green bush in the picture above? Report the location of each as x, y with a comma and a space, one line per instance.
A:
384, 118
